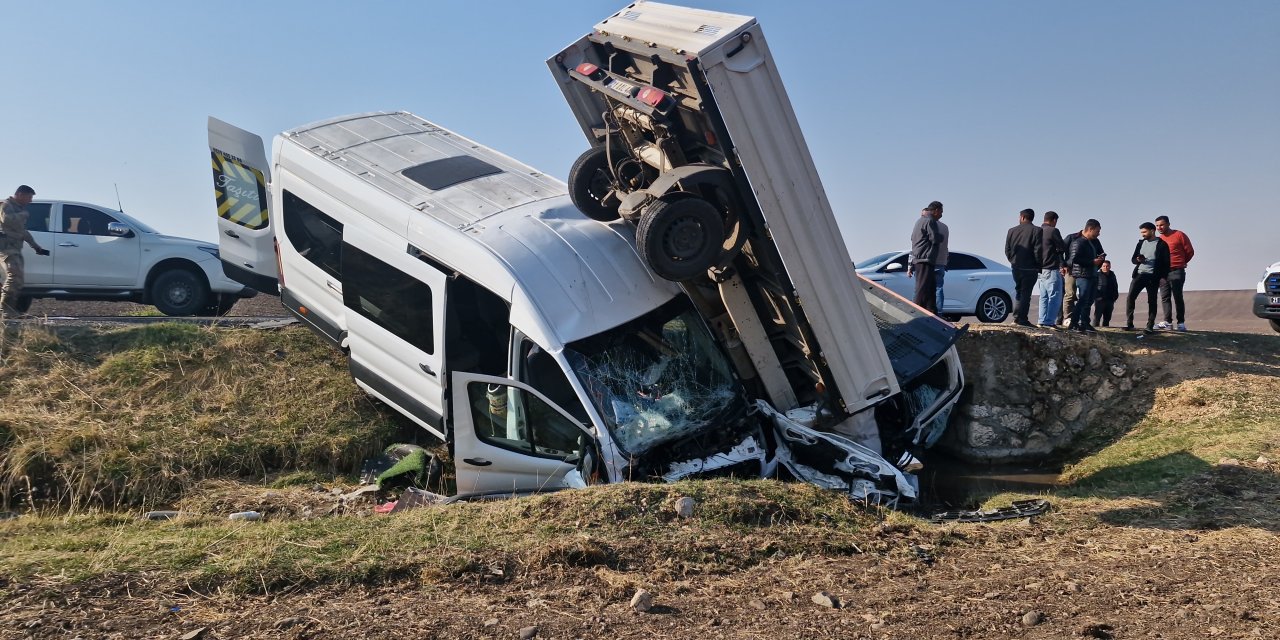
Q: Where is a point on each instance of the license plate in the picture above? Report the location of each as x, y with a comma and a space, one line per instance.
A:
1275, 300
624, 88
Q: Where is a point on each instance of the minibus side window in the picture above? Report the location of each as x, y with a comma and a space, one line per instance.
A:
314, 235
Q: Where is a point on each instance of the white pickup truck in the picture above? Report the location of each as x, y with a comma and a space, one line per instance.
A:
694, 141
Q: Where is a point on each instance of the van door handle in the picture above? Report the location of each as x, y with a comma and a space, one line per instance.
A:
975, 277
231, 233
479, 462
333, 286
426, 369
67, 244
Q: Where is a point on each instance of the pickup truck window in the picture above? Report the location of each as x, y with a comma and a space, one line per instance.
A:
313, 234
389, 297
38, 216
656, 379
84, 220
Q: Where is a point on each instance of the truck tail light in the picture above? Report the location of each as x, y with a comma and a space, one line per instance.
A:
656, 98
590, 70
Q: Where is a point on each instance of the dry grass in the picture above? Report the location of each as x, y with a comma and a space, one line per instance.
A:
111, 417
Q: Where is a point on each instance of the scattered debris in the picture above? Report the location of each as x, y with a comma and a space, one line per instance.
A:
528, 632
642, 601
1032, 618
684, 507
195, 633
490, 623
923, 554
154, 515
824, 599
1019, 509
757, 604
413, 497
249, 516
368, 492
285, 623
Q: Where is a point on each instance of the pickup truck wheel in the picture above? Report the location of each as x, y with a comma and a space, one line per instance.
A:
1275, 324
680, 238
23, 305
591, 185
218, 305
179, 292
993, 306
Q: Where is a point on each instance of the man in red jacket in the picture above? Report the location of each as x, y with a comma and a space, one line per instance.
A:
1180, 253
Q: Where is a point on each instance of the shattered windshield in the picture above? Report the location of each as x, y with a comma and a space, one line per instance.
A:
655, 379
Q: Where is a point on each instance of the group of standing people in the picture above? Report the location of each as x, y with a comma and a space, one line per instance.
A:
1075, 276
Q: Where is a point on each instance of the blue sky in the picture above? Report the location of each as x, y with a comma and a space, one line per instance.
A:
1119, 111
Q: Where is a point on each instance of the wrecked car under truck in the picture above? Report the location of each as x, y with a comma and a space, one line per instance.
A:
694, 142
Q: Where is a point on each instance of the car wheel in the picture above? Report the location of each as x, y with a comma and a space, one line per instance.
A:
179, 292
218, 305
23, 304
591, 185
993, 306
951, 317
1275, 324
679, 237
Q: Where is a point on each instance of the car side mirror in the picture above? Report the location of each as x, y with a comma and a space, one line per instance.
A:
119, 229
894, 266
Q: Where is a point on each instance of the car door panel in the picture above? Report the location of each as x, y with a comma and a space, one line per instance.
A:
85, 256
509, 437
38, 270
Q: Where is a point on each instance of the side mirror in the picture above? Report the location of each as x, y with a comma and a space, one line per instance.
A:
894, 266
119, 229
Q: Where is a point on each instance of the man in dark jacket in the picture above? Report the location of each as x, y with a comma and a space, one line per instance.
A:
926, 240
1052, 247
1150, 268
1108, 292
1022, 248
1084, 254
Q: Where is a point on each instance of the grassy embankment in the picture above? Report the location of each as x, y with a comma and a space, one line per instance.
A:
173, 415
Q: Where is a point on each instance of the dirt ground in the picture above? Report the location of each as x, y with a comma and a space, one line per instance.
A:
1023, 580
1209, 567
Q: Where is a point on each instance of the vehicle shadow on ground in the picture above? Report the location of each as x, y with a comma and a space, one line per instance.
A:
1187, 493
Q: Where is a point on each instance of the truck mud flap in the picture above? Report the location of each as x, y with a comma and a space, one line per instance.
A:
833, 462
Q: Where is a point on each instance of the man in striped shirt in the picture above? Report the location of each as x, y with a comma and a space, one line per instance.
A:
1180, 253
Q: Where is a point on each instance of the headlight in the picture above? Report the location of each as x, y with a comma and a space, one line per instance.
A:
213, 251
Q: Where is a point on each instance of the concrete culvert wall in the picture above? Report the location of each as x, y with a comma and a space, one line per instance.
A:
1029, 394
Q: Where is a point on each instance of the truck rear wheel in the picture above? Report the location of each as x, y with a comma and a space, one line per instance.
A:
1275, 324
680, 238
23, 305
591, 185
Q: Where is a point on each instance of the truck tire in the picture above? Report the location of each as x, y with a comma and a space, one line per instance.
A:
1275, 324
680, 237
23, 304
179, 292
590, 184
993, 306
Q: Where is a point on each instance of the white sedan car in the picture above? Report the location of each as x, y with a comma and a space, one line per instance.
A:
974, 285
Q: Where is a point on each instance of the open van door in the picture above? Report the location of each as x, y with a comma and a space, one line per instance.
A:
509, 437
246, 237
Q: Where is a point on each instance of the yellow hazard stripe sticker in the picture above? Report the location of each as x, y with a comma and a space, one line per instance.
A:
240, 192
